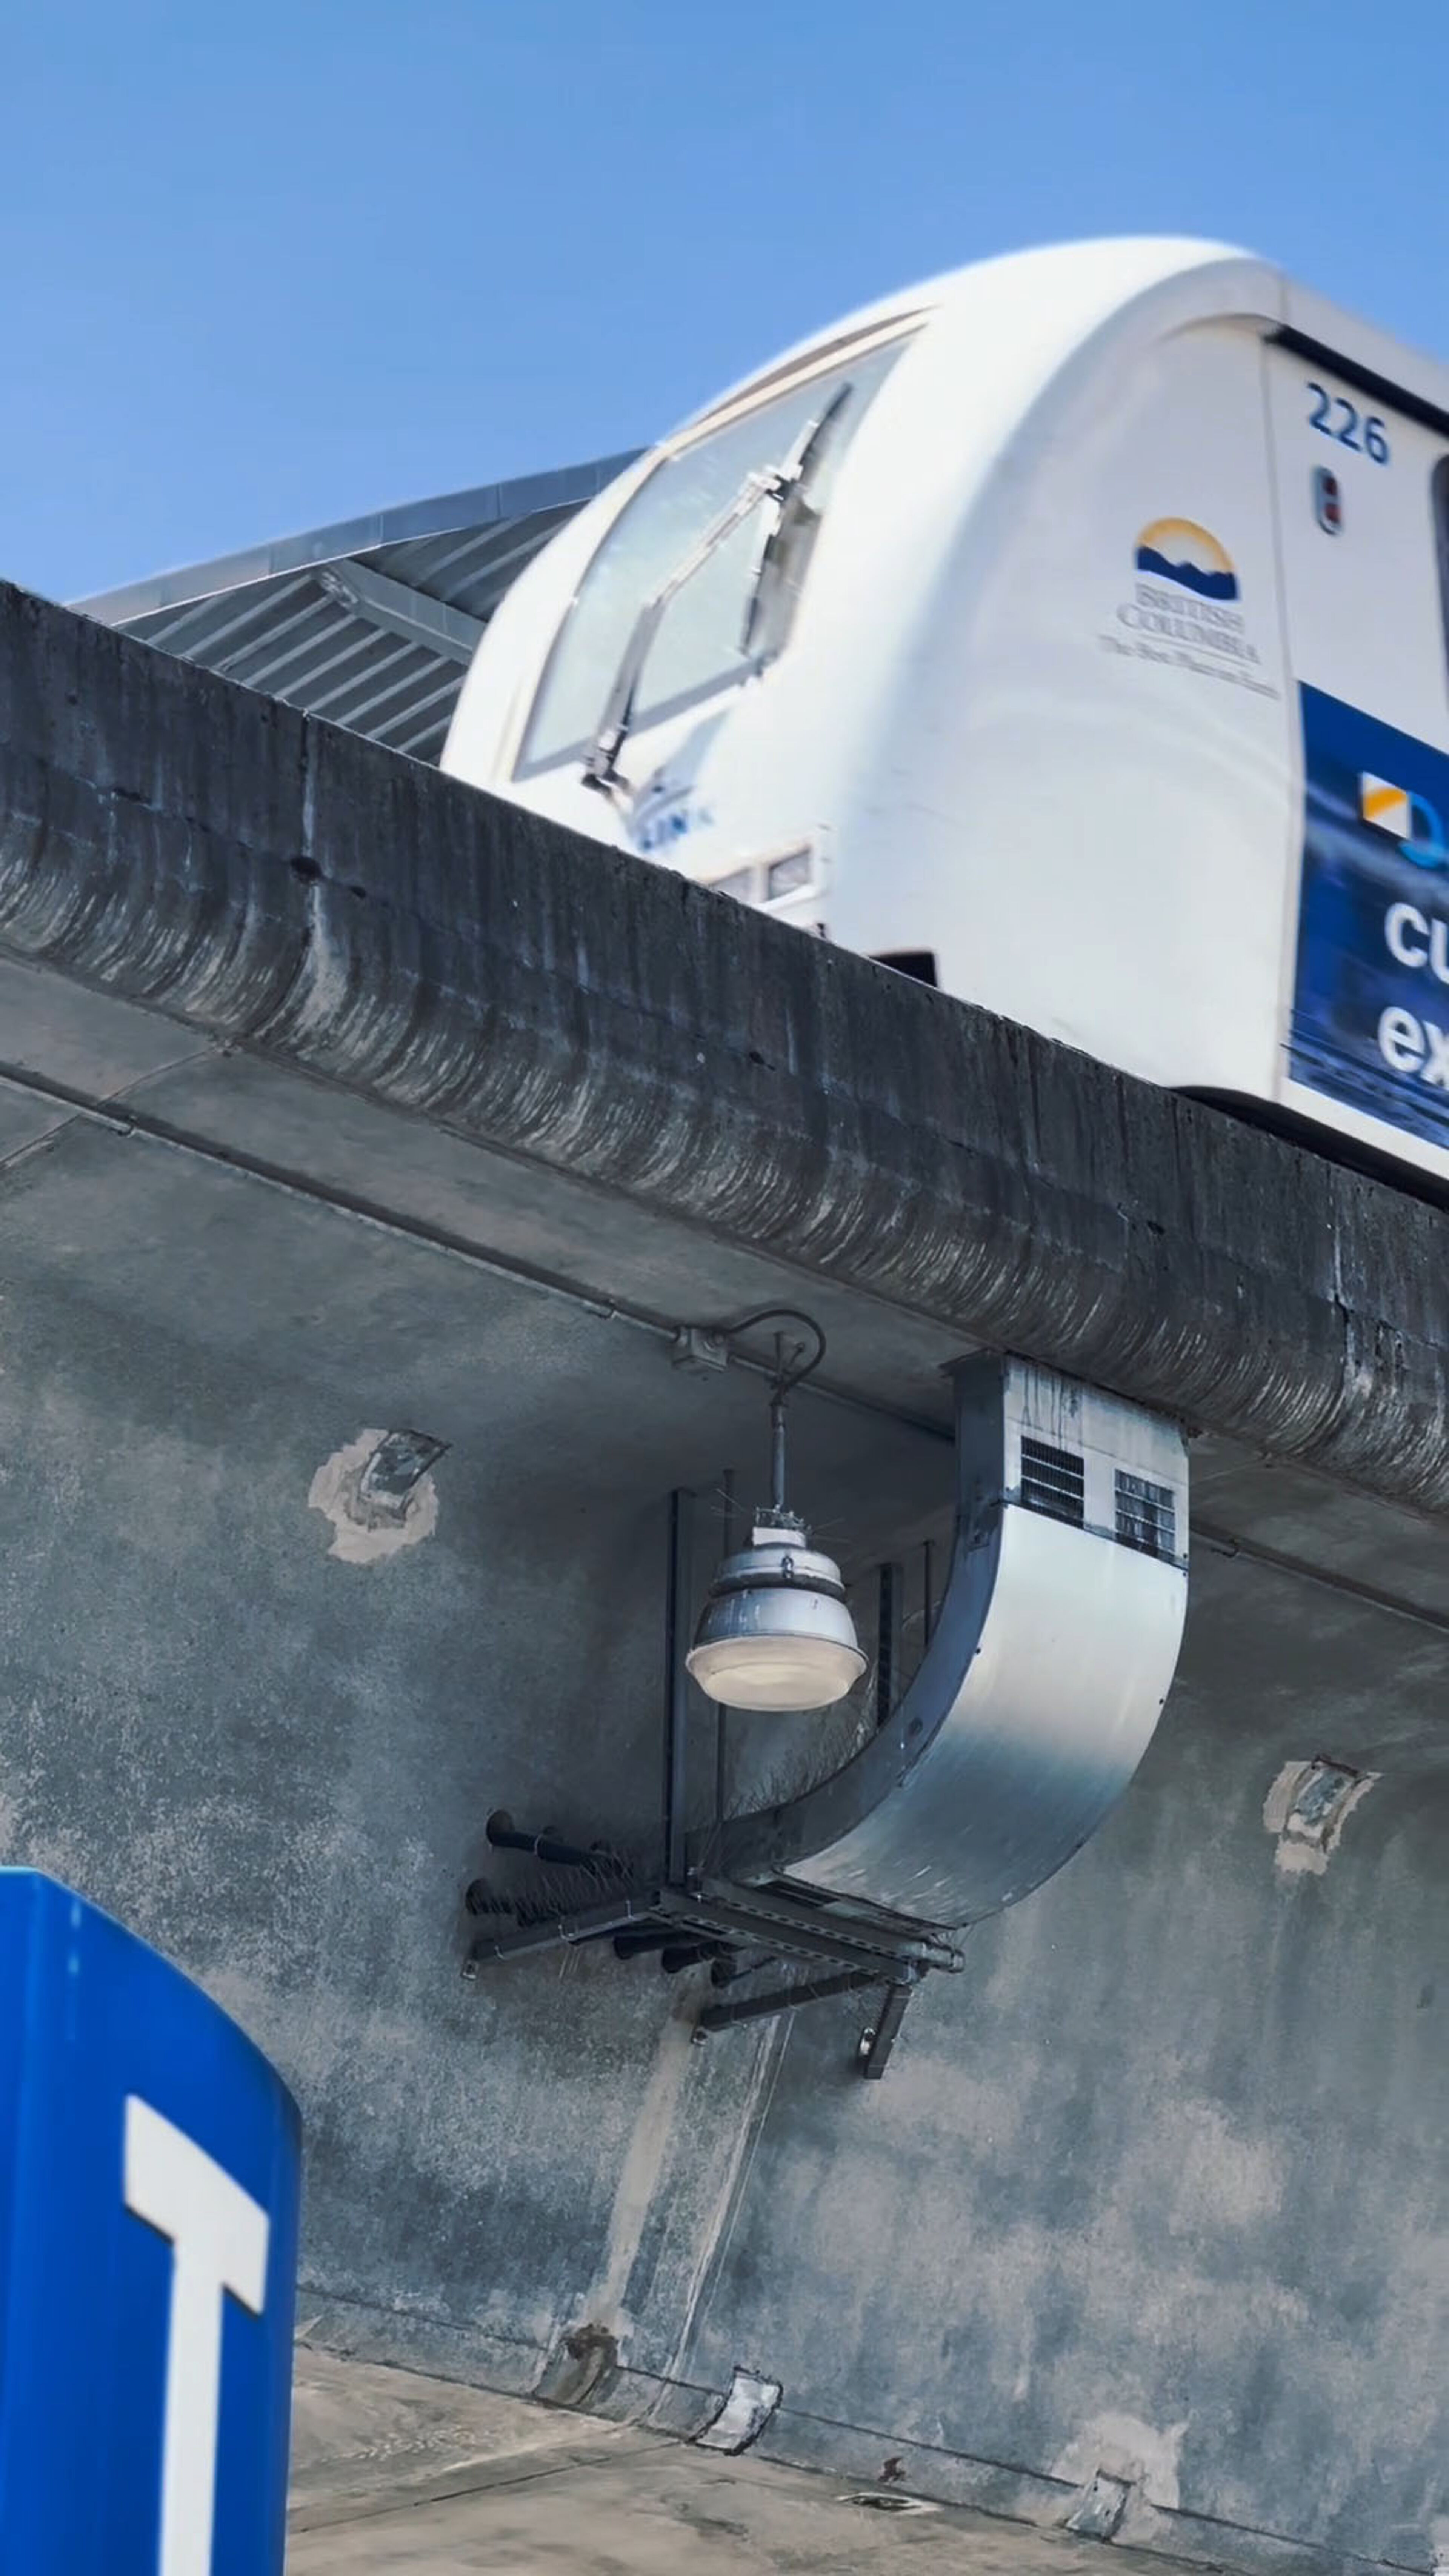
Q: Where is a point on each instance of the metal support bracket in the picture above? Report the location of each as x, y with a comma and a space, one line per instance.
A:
876, 2041
876, 2044
781, 1999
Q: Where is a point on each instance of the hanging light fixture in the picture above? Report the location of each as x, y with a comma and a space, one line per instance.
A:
776, 1632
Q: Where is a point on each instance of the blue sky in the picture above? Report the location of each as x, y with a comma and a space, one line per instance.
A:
268, 266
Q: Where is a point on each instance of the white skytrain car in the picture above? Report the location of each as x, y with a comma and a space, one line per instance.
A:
1069, 632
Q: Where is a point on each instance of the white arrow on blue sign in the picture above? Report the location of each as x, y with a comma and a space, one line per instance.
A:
149, 2179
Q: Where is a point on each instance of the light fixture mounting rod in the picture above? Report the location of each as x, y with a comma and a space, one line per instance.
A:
777, 1454
792, 1367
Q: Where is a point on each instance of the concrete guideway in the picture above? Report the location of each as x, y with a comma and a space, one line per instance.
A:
275, 885
344, 1112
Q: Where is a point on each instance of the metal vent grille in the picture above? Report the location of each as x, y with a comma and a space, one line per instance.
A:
1053, 1481
1146, 1516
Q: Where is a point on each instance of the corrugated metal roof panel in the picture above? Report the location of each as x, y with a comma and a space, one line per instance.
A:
366, 623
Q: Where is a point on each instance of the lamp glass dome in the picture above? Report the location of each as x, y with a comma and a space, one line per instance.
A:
775, 1632
776, 1673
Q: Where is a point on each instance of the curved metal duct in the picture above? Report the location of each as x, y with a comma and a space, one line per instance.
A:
1053, 1653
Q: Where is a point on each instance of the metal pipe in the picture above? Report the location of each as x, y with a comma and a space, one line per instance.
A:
132, 1120
721, 1717
481, 1898
545, 1847
726, 1971
887, 1642
560, 1932
635, 1944
676, 1685
689, 1954
777, 1452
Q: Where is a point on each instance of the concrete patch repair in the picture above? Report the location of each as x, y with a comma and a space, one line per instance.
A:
1113, 2458
377, 1494
750, 2402
583, 2369
1307, 1808
1099, 2510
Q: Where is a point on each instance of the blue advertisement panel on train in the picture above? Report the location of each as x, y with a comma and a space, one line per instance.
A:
1370, 1023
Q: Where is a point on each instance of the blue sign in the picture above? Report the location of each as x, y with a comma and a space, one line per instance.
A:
1370, 1025
149, 2161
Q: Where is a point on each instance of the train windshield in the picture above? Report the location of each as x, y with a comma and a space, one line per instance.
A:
705, 637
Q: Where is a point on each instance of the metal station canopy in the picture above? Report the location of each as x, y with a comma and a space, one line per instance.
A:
372, 623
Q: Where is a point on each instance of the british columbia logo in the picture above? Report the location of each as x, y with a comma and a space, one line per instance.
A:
1178, 550
1186, 607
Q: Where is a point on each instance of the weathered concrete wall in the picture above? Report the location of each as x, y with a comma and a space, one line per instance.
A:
1157, 2187
277, 1763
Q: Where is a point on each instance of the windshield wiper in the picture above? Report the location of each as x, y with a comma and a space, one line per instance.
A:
784, 489
785, 547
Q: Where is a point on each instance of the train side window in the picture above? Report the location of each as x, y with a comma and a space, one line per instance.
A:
701, 643
918, 963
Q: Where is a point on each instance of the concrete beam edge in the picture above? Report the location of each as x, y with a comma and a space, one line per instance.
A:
280, 885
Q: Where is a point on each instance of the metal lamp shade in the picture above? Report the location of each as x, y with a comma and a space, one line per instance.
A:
775, 1633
